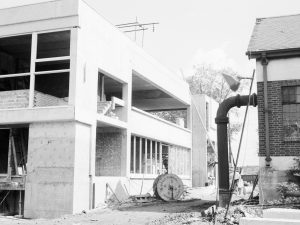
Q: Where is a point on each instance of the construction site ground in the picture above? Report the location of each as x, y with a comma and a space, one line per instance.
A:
190, 210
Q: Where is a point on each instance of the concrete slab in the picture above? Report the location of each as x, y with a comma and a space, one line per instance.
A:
268, 221
282, 213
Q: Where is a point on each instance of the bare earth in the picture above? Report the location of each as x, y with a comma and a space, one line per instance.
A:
187, 211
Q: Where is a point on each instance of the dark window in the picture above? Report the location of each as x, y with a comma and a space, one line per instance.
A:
55, 44
51, 89
15, 54
14, 83
52, 65
4, 137
291, 112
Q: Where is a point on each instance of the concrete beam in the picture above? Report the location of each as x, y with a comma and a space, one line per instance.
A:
158, 104
268, 221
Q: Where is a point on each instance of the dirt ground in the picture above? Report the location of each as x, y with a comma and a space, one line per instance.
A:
156, 212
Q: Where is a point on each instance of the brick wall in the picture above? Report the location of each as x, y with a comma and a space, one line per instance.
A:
14, 99
108, 153
20, 99
41, 100
278, 146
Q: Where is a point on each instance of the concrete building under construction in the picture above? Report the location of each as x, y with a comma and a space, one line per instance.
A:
76, 113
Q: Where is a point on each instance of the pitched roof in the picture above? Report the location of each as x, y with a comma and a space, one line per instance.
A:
275, 33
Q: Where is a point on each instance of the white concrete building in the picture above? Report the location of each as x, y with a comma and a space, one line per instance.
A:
76, 97
76, 91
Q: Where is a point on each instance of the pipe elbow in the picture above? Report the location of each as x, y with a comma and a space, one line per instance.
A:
235, 101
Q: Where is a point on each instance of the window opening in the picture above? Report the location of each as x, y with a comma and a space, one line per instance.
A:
52, 69
291, 112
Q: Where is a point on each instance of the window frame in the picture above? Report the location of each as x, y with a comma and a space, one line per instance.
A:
288, 103
33, 60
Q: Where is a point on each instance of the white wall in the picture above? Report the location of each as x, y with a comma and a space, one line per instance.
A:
280, 69
38, 17
82, 162
105, 47
152, 127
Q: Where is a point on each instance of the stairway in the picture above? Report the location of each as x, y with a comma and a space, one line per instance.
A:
105, 108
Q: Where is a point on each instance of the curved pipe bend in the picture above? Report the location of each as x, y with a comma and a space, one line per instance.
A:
231, 102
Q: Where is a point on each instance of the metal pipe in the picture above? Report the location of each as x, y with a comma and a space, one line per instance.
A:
222, 120
264, 63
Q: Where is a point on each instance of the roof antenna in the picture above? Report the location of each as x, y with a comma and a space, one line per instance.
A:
137, 27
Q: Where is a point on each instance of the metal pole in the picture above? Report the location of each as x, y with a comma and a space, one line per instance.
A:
240, 144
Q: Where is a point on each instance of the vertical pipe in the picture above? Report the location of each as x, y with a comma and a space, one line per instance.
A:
222, 120
264, 63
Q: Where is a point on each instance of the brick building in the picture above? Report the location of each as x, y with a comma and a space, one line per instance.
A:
77, 98
275, 45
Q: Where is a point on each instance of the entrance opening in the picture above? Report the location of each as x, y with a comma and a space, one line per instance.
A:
110, 94
4, 140
13, 160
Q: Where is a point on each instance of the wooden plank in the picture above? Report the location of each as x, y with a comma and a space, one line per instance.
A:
22, 142
9, 156
14, 154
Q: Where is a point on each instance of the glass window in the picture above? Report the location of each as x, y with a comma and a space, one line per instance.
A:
15, 54
291, 113
52, 65
55, 44
51, 89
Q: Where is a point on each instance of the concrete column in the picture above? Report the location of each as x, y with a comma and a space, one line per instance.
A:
50, 170
74, 65
199, 145
126, 134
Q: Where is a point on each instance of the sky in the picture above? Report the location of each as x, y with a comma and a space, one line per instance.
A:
192, 32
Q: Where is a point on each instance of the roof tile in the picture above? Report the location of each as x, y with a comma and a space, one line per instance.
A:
275, 33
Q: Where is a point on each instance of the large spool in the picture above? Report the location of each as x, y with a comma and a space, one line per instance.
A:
168, 187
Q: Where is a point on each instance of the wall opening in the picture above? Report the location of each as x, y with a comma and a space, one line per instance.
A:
15, 56
52, 69
147, 97
154, 157
108, 151
51, 89
13, 160
4, 140
110, 96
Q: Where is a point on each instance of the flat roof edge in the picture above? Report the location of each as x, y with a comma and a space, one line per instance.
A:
38, 11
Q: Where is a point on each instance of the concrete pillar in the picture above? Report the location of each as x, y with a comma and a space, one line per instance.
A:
57, 181
126, 133
50, 170
199, 145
